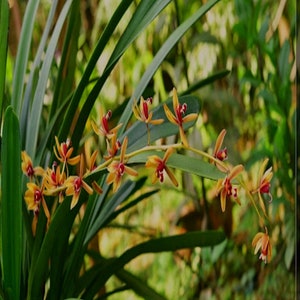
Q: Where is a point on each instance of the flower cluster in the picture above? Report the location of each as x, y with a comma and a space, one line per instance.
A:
59, 183
226, 190
54, 181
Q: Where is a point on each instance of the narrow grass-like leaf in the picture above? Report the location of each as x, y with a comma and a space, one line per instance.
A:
4, 23
39, 270
139, 286
101, 216
97, 214
11, 210
34, 71
193, 239
65, 76
160, 56
75, 260
131, 204
145, 13
22, 56
103, 40
38, 100
206, 81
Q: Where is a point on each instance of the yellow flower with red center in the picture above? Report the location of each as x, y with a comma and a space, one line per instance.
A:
264, 183
27, 166
160, 166
143, 113
64, 152
220, 154
54, 182
225, 187
74, 185
34, 197
179, 118
117, 169
91, 162
112, 145
104, 129
262, 241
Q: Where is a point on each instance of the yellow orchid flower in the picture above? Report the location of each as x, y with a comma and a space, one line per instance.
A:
224, 186
179, 118
160, 166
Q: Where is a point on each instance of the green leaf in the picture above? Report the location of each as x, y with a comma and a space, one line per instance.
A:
38, 100
137, 285
22, 56
65, 77
34, 71
206, 81
143, 15
103, 40
11, 210
131, 204
283, 61
40, 266
4, 24
102, 272
103, 211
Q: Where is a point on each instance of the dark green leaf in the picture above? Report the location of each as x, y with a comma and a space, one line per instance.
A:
4, 25
22, 55
137, 285
11, 210
101, 273
206, 81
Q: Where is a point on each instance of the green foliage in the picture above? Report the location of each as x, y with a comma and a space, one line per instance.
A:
11, 207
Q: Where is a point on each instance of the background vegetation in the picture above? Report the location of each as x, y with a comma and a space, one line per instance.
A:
249, 45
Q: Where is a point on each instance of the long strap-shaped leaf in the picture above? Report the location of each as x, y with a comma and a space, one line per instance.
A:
145, 13
4, 23
34, 72
101, 273
11, 211
160, 56
139, 286
65, 77
38, 100
103, 40
22, 55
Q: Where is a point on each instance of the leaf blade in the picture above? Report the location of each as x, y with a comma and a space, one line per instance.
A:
11, 204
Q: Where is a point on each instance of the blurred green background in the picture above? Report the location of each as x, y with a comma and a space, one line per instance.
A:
256, 102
